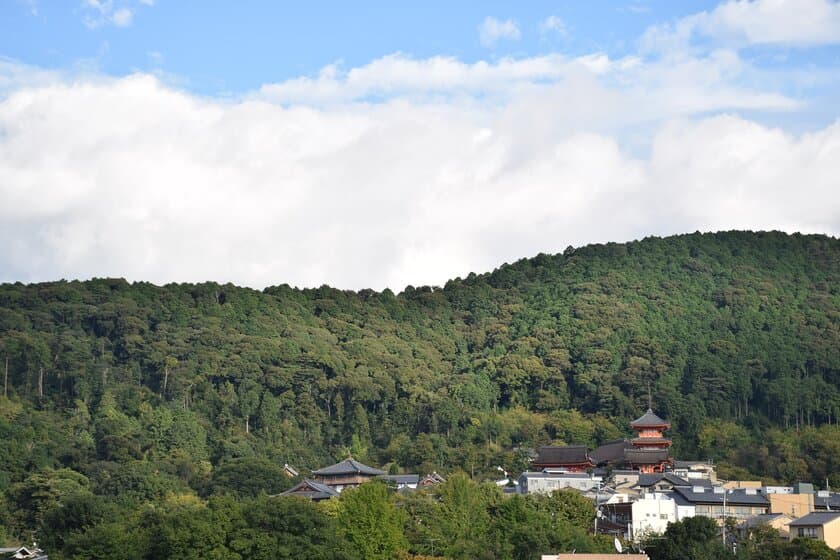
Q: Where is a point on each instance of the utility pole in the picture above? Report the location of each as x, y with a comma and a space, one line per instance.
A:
723, 533
597, 511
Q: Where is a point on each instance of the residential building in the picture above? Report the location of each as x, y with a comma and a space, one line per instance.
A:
821, 525
651, 515
550, 480
719, 503
778, 521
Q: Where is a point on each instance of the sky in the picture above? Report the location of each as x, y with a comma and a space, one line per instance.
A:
373, 145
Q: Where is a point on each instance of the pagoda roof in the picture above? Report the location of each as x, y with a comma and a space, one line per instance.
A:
348, 466
649, 420
562, 455
646, 456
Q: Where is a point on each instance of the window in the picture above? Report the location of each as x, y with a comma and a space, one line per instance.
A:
810, 532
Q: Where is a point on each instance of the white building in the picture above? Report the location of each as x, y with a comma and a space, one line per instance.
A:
651, 514
549, 480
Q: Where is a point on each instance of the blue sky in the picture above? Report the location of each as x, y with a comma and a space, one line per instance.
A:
380, 145
222, 46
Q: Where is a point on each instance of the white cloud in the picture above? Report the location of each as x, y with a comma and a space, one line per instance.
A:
129, 177
799, 23
492, 29
554, 24
122, 17
120, 13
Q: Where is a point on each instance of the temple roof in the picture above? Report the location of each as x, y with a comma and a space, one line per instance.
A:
307, 488
565, 455
610, 452
649, 420
348, 466
646, 456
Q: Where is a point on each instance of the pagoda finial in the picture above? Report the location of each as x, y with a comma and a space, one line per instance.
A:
650, 399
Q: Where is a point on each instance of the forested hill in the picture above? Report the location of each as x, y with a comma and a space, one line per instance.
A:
736, 334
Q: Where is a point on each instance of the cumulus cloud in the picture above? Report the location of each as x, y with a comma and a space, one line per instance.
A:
130, 177
492, 29
799, 23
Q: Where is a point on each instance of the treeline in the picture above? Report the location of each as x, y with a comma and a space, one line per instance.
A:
459, 519
735, 335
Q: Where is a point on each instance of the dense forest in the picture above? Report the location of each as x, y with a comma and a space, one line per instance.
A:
137, 392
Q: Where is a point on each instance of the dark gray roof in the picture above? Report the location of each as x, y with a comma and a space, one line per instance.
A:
645, 456
733, 497
565, 455
681, 501
348, 466
649, 419
311, 489
610, 452
816, 518
401, 478
648, 480
832, 501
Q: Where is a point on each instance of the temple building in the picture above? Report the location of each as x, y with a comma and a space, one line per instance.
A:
650, 446
346, 474
646, 453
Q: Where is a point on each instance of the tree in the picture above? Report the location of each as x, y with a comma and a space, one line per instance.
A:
371, 521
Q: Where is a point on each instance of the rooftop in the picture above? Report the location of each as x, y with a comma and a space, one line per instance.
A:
816, 518
649, 420
562, 455
348, 466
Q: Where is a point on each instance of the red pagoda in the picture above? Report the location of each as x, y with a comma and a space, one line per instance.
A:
650, 446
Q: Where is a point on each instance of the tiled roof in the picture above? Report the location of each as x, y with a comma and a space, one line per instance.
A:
645, 456
401, 478
816, 518
348, 466
565, 455
307, 488
610, 452
648, 480
733, 497
649, 419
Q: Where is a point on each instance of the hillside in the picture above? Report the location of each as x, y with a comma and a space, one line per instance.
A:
736, 334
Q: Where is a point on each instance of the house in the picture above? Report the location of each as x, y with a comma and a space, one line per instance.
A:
695, 470
310, 489
290, 471
651, 515
825, 500
822, 525
430, 480
401, 481
796, 501
778, 521
574, 556
346, 474
549, 480
719, 503
24, 553
659, 482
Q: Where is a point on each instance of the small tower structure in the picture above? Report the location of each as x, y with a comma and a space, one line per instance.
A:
650, 446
